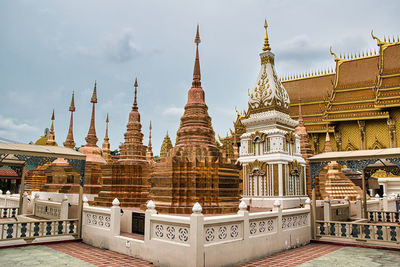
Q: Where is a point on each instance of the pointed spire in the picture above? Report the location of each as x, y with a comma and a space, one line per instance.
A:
196, 71
107, 121
51, 138
69, 142
91, 138
266, 46
135, 101
149, 154
149, 146
106, 144
328, 146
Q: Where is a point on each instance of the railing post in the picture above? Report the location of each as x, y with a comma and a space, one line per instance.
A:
277, 207
196, 235
35, 199
115, 218
24, 204
310, 220
359, 207
85, 201
327, 209
8, 194
246, 224
64, 208
151, 209
385, 206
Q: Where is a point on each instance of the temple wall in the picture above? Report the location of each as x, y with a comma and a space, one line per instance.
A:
199, 240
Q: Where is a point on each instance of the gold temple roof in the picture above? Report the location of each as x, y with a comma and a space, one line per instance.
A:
358, 89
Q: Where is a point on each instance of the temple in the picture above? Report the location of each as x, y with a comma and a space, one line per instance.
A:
194, 170
270, 150
128, 177
358, 100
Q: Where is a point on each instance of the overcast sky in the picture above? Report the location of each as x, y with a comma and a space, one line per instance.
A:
50, 48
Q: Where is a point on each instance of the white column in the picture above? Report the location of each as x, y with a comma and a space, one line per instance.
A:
115, 218
280, 178
197, 235
64, 208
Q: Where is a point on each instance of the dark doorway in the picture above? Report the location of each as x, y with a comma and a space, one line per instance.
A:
137, 223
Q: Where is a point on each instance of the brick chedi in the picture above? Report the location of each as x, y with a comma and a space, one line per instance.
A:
94, 159
127, 179
194, 170
60, 176
36, 179
305, 148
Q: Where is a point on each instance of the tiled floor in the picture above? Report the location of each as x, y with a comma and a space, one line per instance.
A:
79, 254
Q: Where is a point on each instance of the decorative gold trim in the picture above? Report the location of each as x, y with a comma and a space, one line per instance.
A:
276, 180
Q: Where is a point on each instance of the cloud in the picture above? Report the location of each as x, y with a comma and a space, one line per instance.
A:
173, 111
302, 47
10, 129
118, 47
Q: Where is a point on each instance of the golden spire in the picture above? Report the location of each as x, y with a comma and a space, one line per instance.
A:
91, 138
51, 139
69, 142
266, 43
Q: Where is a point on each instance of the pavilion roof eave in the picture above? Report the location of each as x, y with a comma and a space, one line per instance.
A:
40, 151
356, 155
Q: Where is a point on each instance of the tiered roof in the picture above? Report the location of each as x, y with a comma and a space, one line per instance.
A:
358, 89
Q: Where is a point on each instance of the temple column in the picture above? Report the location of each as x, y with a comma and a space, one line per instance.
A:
392, 132
280, 179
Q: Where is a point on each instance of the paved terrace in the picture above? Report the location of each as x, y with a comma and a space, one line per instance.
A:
80, 254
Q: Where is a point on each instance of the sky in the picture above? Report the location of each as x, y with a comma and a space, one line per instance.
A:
50, 48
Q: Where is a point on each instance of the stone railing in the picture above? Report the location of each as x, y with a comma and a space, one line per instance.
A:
384, 216
170, 228
8, 212
31, 230
355, 231
8, 200
50, 209
198, 240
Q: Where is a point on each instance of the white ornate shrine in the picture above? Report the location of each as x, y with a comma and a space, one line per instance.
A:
273, 168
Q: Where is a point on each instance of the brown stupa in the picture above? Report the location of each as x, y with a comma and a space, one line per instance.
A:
331, 181
127, 179
60, 176
305, 148
94, 159
194, 170
36, 179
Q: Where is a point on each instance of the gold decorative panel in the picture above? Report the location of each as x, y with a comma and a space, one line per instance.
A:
377, 134
396, 116
350, 134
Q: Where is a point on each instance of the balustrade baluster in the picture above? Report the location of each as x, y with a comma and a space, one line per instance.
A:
10, 230
23, 230
396, 216
371, 216
354, 230
379, 232
343, 229
367, 231
393, 233
388, 217
48, 228
379, 216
